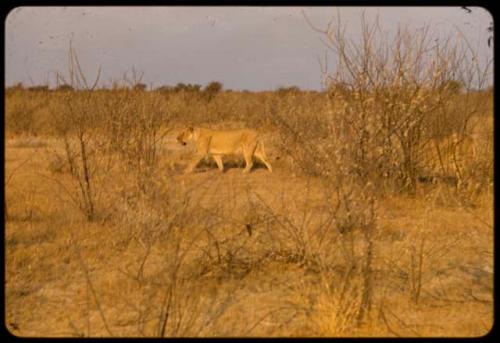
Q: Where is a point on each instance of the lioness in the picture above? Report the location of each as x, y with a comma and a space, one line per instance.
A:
216, 143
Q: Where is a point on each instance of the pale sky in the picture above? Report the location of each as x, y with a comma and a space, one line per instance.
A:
253, 48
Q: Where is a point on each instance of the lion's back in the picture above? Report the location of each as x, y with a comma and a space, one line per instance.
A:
229, 141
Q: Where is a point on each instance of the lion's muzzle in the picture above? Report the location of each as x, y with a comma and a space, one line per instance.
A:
181, 141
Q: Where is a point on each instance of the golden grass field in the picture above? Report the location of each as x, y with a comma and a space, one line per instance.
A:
210, 254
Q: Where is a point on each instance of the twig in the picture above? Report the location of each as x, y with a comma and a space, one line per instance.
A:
92, 290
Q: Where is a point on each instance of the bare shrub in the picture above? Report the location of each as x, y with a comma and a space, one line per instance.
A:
384, 93
75, 123
162, 289
305, 135
134, 122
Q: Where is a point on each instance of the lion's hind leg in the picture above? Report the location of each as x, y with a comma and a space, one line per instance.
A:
248, 155
260, 153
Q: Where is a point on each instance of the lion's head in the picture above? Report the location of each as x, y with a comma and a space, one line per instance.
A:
185, 135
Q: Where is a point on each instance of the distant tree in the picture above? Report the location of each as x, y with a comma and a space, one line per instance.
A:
42, 88
288, 90
214, 87
165, 89
179, 87
193, 87
65, 88
187, 87
452, 86
140, 87
17, 86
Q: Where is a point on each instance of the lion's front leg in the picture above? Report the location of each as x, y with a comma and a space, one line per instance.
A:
194, 162
218, 160
201, 151
247, 154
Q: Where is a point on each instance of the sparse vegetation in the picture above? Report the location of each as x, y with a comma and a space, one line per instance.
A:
376, 220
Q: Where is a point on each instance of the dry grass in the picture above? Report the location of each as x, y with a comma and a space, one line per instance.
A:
66, 276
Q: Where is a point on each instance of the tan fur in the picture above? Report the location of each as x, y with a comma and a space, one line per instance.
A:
217, 143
